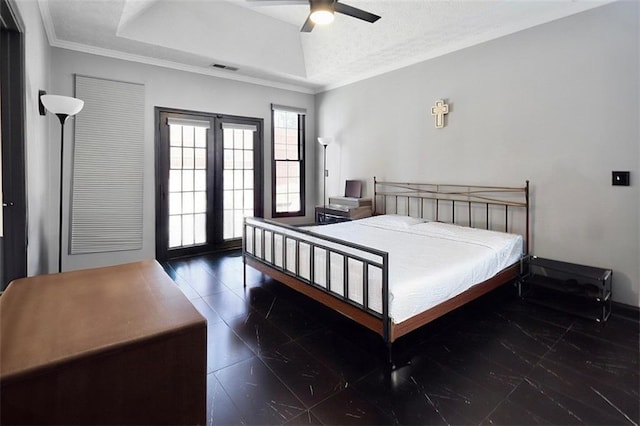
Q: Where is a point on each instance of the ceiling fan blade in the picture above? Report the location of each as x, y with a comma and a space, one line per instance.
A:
276, 2
308, 25
355, 12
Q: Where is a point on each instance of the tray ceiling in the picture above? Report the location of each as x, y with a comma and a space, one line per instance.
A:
266, 46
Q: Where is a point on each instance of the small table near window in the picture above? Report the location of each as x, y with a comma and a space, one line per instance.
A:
337, 213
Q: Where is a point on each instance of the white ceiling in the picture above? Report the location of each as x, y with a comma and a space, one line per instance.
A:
265, 43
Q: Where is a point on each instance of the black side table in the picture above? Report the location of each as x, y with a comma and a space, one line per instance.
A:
577, 289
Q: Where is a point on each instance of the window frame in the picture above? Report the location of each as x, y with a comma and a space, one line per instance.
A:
301, 161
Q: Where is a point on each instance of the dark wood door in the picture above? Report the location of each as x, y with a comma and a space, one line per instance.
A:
13, 243
209, 176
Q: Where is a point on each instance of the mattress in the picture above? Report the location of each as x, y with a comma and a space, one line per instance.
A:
429, 262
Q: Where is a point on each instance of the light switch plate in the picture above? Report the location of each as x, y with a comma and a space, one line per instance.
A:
620, 178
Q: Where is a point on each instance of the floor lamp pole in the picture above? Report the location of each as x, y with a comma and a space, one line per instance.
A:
63, 107
324, 188
63, 118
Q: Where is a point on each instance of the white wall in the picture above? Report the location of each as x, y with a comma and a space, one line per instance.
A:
38, 147
556, 104
174, 89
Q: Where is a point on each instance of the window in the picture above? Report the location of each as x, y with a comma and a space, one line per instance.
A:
288, 161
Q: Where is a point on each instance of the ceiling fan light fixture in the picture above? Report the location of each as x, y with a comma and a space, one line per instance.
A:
322, 15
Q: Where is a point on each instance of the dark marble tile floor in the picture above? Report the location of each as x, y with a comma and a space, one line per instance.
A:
276, 357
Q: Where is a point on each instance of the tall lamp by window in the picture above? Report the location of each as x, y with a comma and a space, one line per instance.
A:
324, 142
63, 107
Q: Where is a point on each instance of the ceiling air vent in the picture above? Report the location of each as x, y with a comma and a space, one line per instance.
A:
224, 67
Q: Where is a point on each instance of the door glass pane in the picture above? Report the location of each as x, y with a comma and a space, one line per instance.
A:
228, 159
227, 200
248, 199
201, 137
188, 137
188, 236
187, 186
175, 161
238, 138
228, 138
237, 179
248, 139
200, 180
175, 231
200, 228
227, 225
187, 180
200, 202
175, 181
188, 157
238, 190
248, 159
175, 203
201, 158
248, 179
187, 202
238, 159
175, 135
227, 177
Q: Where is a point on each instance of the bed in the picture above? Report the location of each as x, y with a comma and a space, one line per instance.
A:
428, 249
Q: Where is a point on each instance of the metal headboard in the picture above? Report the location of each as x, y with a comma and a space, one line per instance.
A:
445, 202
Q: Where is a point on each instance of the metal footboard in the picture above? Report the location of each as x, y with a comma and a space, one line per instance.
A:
338, 268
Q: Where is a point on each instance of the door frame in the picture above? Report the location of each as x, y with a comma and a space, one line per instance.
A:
12, 67
214, 197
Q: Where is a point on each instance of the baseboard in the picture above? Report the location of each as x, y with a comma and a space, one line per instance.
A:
625, 311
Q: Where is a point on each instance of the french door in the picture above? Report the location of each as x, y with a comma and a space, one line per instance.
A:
209, 177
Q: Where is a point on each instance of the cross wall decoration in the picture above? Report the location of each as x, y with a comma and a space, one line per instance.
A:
439, 110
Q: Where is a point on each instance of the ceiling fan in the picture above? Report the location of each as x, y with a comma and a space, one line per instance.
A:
322, 12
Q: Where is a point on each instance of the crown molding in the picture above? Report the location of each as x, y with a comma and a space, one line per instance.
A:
47, 22
79, 47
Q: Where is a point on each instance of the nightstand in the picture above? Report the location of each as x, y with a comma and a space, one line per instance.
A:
577, 289
337, 213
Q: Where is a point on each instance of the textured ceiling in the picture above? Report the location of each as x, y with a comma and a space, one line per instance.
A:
264, 42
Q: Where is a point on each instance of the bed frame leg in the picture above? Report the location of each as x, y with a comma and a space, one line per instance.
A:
388, 368
244, 273
390, 363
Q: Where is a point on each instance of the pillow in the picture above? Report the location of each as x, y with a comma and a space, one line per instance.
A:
394, 220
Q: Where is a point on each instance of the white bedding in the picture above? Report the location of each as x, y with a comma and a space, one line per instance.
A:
429, 262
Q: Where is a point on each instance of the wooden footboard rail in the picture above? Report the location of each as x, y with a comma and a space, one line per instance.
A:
303, 260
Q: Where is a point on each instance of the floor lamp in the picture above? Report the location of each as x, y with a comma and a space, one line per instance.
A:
324, 142
63, 107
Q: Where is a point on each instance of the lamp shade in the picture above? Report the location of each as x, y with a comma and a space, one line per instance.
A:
65, 105
325, 141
